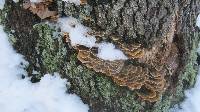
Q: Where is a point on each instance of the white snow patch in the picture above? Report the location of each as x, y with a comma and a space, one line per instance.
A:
36, 1
77, 32
67, 23
2, 2
107, 51
198, 21
78, 36
77, 2
20, 95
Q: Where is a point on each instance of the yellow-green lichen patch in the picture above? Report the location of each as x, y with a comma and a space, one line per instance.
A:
51, 49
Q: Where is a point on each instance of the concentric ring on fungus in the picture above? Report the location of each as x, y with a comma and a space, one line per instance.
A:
148, 82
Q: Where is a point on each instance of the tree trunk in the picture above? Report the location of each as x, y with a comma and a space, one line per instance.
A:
151, 23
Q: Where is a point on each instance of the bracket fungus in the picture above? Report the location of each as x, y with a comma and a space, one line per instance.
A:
147, 79
90, 60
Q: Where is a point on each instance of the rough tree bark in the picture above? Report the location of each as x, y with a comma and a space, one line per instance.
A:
134, 21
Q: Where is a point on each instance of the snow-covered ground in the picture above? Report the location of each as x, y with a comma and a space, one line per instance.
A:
20, 95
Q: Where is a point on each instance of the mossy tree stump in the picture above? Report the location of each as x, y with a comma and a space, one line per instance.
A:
134, 21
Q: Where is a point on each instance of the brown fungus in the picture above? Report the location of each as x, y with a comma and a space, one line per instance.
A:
147, 77
99, 65
131, 76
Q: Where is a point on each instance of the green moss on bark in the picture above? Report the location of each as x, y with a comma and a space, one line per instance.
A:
99, 91
50, 49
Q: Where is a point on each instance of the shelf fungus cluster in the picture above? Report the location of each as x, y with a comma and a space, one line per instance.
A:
147, 79
133, 51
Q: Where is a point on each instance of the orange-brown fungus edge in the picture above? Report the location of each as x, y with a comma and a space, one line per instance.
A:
151, 77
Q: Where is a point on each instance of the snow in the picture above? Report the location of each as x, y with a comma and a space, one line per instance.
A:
20, 95
77, 2
2, 2
78, 36
77, 32
67, 23
107, 51
198, 21
36, 1
192, 101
